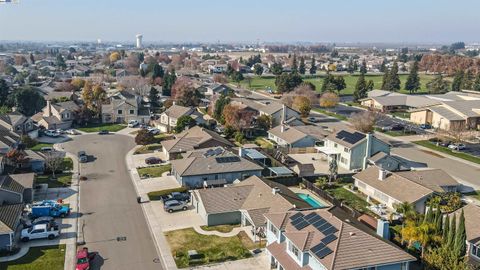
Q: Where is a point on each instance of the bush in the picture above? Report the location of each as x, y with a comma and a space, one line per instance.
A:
28, 142
144, 137
239, 137
157, 195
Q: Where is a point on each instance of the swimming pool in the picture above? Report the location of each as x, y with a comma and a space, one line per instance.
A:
310, 200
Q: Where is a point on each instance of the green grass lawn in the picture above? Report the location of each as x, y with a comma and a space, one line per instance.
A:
353, 200
39, 146
98, 127
213, 248
446, 150
332, 114
261, 83
221, 228
67, 164
154, 171
263, 143
39, 258
396, 133
149, 148
63, 180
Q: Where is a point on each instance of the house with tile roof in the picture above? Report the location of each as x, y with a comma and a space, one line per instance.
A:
472, 228
414, 187
192, 139
246, 203
194, 171
319, 240
9, 221
57, 115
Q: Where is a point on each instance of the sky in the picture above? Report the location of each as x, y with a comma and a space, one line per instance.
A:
407, 21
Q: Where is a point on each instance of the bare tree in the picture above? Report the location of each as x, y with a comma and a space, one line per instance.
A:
53, 161
458, 131
364, 121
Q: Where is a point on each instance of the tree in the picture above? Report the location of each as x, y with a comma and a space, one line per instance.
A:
276, 69
32, 58
294, 64
229, 70
393, 78
237, 76
361, 88
114, 57
413, 81
301, 67
237, 118
169, 80
460, 237
183, 122
457, 83
329, 99
468, 80
4, 92
406, 209
78, 83
27, 100
258, 69
452, 231
264, 122
457, 46
185, 93
220, 78
438, 85
364, 121
218, 106
333, 170
313, 66
446, 228
303, 105
144, 137
363, 67
60, 62
153, 97
158, 71
286, 82
305, 89
333, 83
53, 161
476, 84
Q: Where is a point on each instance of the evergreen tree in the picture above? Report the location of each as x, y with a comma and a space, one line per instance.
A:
157, 71
446, 228
438, 220
476, 84
355, 65
438, 85
428, 218
363, 68
276, 68
461, 237
457, 83
452, 232
61, 62
301, 67
313, 66
229, 70
383, 67
385, 80
468, 80
413, 81
4, 90
153, 96
350, 66
294, 64
169, 80
360, 88
393, 78
32, 58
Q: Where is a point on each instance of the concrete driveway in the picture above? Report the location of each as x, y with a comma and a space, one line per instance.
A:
108, 205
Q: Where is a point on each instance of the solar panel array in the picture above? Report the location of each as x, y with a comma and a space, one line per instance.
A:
300, 221
351, 138
227, 159
213, 152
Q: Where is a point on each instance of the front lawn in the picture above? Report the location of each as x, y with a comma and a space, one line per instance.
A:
63, 180
396, 133
448, 151
213, 249
349, 198
154, 171
149, 148
67, 164
98, 127
263, 143
39, 258
332, 114
220, 228
39, 146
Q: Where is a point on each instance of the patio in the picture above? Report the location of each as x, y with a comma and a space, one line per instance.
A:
319, 162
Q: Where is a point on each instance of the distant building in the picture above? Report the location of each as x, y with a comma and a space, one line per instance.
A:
139, 41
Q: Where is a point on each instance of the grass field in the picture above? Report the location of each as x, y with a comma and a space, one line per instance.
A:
155, 171
212, 248
63, 180
98, 127
351, 199
39, 258
446, 150
260, 83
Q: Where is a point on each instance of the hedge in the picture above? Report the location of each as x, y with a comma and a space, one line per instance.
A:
157, 195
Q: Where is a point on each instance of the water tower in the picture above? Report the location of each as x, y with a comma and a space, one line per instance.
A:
139, 41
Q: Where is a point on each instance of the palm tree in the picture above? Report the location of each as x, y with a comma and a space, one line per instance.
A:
423, 233
407, 210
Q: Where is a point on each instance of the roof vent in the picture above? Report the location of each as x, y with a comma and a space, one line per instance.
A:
275, 190
352, 234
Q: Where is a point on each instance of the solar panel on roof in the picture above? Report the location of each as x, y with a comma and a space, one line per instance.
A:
301, 225
350, 138
323, 253
328, 239
330, 230
313, 219
227, 159
311, 215
319, 223
296, 216
297, 220
324, 227
317, 248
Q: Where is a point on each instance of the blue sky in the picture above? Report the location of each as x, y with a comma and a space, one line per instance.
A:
442, 21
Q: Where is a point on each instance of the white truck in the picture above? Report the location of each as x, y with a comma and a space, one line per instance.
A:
40, 231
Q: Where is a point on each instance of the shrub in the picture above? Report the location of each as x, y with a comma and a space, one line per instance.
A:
239, 137
144, 137
157, 195
28, 142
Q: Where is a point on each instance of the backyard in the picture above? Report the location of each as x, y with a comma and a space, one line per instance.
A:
98, 127
261, 83
154, 171
211, 248
351, 199
39, 258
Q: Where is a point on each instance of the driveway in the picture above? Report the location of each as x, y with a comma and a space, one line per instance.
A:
108, 205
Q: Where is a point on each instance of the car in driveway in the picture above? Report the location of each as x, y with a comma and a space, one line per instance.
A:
41, 220
83, 259
394, 127
103, 132
177, 196
40, 231
72, 132
133, 123
51, 133
457, 146
174, 205
82, 156
313, 119
153, 130
153, 160
425, 126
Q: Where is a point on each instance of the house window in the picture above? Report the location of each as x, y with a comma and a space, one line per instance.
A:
294, 250
273, 229
476, 251
335, 145
343, 160
119, 112
346, 150
132, 111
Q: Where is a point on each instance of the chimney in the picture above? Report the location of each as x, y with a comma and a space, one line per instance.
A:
383, 228
382, 174
282, 128
240, 151
48, 112
368, 150
174, 103
284, 113
275, 190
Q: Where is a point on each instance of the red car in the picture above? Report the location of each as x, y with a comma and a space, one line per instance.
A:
83, 259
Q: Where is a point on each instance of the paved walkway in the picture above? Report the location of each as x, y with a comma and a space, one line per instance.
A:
234, 232
22, 252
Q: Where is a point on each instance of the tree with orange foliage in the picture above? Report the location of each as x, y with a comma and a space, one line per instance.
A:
237, 117
303, 105
185, 93
220, 78
329, 99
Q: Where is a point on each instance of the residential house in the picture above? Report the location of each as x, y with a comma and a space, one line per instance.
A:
192, 139
352, 148
57, 115
168, 119
297, 136
194, 171
394, 163
16, 188
8, 140
449, 115
17, 123
472, 219
387, 101
10, 215
246, 203
217, 89
319, 240
414, 187
123, 107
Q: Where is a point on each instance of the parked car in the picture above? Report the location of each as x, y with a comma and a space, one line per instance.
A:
177, 196
51, 133
41, 220
397, 127
52, 210
425, 126
46, 149
72, 132
103, 132
153, 130
153, 160
133, 123
174, 205
41, 231
83, 259
82, 156
457, 146
313, 119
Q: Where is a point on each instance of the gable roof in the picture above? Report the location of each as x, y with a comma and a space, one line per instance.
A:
13, 118
192, 138
9, 216
65, 106
347, 137
433, 179
9, 184
292, 134
7, 137
177, 111
472, 219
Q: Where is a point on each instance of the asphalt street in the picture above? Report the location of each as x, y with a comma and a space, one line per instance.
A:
109, 208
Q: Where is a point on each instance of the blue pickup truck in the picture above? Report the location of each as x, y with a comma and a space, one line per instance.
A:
51, 210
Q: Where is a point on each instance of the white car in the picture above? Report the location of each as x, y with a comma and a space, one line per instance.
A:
52, 133
133, 123
72, 132
457, 146
153, 130
40, 231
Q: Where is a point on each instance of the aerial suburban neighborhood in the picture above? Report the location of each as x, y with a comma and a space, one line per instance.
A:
185, 148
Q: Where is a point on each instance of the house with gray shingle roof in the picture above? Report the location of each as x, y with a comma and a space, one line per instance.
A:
9, 221
57, 115
168, 119
472, 228
297, 136
16, 188
17, 122
319, 240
